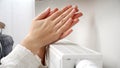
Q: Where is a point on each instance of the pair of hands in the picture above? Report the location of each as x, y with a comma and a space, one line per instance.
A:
49, 27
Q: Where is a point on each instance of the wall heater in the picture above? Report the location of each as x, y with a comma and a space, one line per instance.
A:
66, 54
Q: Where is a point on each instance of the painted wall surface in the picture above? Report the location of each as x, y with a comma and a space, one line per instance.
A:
107, 19
17, 15
98, 28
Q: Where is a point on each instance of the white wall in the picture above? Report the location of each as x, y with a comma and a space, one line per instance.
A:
17, 15
6, 15
108, 26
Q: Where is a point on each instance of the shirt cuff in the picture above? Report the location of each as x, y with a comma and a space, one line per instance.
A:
21, 56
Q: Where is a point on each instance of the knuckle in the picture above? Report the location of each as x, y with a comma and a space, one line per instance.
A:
48, 19
63, 20
58, 13
54, 21
56, 33
59, 31
62, 16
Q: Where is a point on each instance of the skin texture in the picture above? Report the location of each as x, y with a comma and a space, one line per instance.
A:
49, 27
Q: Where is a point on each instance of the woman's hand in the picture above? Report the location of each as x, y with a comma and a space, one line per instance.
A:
42, 51
48, 28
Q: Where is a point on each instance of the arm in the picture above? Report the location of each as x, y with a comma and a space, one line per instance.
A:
45, 29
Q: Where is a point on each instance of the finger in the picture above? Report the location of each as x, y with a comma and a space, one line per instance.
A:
77, 15
76, 8
69, 31
56, 14
59, 18
69, 15
75, 21
65, 34
43, 14
53, 11
65, 26
60, 24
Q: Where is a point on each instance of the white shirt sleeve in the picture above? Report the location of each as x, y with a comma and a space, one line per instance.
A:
21, 57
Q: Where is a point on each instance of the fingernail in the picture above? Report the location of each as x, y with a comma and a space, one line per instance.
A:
69, 6
70, 19
73, 10
81, 13
47, 9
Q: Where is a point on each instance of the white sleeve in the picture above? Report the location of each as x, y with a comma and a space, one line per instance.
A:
21, 57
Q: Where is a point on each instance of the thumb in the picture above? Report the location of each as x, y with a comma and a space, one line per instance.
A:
43, 14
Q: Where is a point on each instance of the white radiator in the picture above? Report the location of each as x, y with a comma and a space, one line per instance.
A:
66, 54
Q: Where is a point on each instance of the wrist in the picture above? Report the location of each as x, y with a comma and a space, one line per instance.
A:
29, 44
